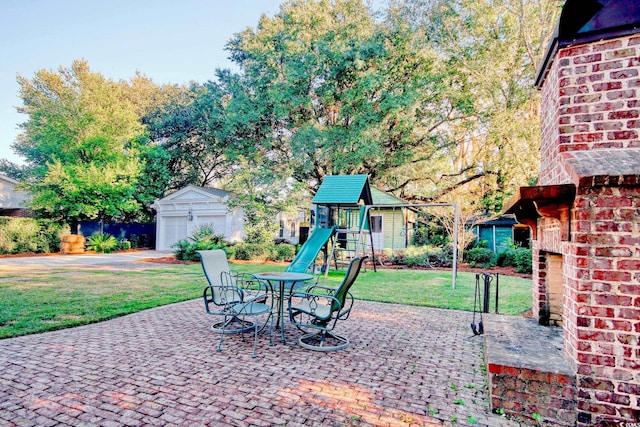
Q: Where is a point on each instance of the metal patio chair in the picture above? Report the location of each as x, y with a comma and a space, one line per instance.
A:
234, 298
317, 311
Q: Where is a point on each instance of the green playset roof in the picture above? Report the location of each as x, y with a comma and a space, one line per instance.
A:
344, 190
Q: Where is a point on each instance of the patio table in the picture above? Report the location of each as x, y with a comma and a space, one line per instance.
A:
282, 278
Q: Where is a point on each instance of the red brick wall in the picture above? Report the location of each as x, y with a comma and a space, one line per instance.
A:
602, 302
591, 101
522, 392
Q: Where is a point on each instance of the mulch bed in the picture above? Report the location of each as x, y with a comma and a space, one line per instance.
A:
503, 271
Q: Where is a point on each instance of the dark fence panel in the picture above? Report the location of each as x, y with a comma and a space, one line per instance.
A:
140, 235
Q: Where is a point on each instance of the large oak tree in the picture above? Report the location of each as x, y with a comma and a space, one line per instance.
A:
82, 144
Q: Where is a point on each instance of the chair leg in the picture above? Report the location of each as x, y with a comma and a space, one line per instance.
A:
255, 340
224, 324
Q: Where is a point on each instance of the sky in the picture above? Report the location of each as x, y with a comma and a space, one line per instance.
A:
169, 41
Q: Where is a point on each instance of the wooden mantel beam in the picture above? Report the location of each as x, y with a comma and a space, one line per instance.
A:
550, 201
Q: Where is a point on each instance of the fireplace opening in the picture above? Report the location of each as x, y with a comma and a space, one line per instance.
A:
551, 312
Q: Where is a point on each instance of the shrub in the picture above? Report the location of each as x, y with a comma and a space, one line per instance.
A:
20, 235
284, 252
242, 251
186, 249
481, 257
141, 241
413, 256
523, 260
124, 245
388, 255
419, 260
426, 256
101, 242
506, 258
440, 256
254, 251
134, 239
203, 239
50, 233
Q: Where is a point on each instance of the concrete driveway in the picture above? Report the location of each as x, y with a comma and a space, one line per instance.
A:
119, 261
406, 366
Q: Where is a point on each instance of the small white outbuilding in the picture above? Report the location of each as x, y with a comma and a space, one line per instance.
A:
179, 214
12, 202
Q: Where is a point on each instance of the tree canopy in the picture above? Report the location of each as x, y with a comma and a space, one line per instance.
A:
81, 143
434, 100
339, 93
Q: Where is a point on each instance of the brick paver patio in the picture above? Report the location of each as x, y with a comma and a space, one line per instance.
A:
405, 366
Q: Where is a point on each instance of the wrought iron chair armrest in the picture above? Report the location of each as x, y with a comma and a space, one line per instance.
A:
346, 310
256, 290
243, 277
342, 312
227, 297
327, 289
305, 318
305, 296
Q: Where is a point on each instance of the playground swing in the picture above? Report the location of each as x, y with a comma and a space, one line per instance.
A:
420, 207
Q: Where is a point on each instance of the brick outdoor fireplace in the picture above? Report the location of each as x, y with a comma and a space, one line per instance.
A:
585, 211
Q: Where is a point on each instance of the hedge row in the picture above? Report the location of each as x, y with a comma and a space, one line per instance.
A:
23, 235
519, 258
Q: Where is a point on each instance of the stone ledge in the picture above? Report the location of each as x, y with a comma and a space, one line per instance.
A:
527, 371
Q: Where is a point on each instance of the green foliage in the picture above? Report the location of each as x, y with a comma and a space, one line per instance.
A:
102, 242
419, 260
281, 252
193, 130
506, 258
153, 182
50, 232
491, 50
258, 196
204, 238
86, 192
20, 235
81, 143
254, 251
284, 252
139, 241
523, 260
431, 234
481, 257
425, 256
326, 90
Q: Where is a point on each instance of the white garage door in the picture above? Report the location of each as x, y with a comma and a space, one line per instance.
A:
175, 229
217, 222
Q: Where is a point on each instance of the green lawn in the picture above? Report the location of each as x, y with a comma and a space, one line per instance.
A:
41, 301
